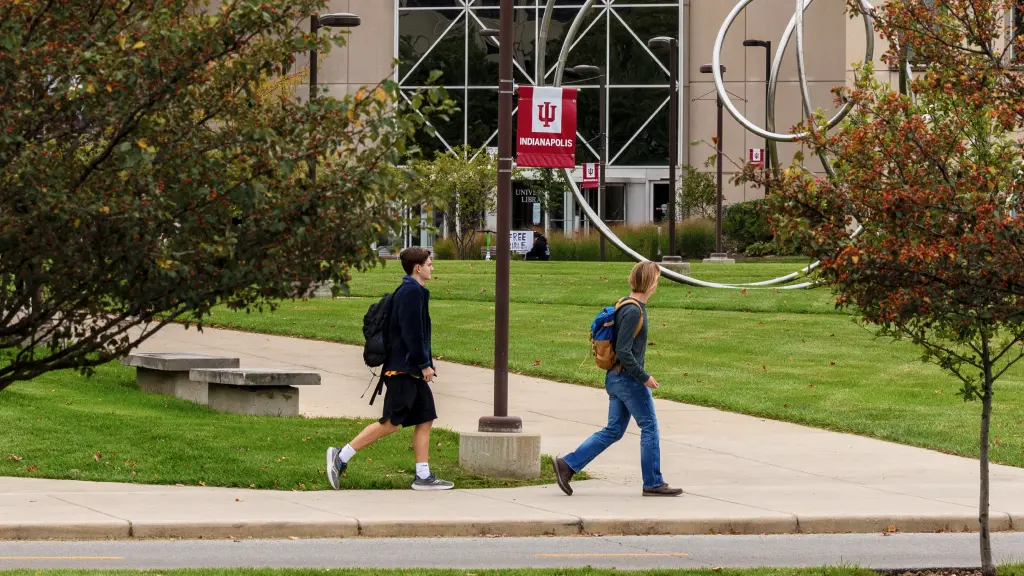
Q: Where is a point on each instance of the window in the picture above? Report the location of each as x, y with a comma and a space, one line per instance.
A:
444, 35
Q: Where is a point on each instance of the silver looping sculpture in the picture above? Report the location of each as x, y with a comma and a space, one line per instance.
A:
796, 24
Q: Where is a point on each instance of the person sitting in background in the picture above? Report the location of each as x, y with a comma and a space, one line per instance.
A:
540, 250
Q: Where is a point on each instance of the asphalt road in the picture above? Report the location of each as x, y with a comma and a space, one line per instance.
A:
626, 553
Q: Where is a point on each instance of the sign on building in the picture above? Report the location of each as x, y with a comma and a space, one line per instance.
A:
546, 127
756, 157
592, 175
520, 240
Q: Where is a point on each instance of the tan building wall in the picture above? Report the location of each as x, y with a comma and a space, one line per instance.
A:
825, 61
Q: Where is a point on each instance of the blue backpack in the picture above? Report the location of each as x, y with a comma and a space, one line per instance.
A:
602, 334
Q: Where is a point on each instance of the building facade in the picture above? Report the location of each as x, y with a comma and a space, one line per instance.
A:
426, 35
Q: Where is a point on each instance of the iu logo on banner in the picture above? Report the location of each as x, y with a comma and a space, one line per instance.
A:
546, 128
756, 157
591, 175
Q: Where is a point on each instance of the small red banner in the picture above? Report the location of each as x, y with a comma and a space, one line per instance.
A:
592, 175
546, 136
756, 157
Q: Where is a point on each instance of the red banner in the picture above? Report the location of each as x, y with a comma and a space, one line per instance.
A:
755, 157
546, 128
592, 175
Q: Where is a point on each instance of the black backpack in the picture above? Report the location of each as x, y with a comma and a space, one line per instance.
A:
375, 332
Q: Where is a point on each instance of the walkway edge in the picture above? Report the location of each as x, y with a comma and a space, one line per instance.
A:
501, 527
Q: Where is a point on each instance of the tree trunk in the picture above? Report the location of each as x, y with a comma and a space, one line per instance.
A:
987, 567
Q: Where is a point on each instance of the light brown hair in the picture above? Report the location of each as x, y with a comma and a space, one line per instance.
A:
412, 257
644, 276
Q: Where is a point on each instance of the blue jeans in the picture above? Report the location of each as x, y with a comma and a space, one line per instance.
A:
626, 397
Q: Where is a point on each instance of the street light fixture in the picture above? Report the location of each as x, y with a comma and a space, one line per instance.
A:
672, 46
587, 71
335, 20
767, 45
501, 421
720, 252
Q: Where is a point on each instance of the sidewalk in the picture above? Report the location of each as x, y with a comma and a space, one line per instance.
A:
742, 474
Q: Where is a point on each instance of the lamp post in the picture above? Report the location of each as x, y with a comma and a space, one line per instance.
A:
720, 252
587, 71
767, 45
335, 20
670, 44
501, 421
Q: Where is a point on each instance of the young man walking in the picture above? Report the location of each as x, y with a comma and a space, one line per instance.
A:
408, 372
629, 392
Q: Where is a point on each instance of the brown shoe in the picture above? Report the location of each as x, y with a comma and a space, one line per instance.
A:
663, 490
563, 475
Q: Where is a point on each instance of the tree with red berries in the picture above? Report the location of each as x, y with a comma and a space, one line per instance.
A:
152, 166
935, 181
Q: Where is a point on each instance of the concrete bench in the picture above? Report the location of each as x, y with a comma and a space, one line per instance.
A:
255, 391
168, 373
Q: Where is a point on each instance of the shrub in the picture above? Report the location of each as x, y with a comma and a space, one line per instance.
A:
444, 249
695, 238
760, 249
745, 223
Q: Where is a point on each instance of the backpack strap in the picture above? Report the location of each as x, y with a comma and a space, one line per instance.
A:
635, 302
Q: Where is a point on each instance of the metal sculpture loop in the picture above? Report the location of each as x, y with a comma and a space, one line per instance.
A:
796, 24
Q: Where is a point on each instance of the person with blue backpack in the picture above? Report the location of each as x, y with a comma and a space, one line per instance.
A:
619, 343
400, 327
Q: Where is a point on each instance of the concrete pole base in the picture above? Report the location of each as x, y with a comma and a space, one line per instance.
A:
719, 259
675, 264
500, 455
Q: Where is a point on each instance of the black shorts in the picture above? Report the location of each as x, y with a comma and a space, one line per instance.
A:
408, 401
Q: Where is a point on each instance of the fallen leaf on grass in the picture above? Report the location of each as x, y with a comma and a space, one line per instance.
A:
201, 483
744, 291
652, 343
14, 458
536, 362
831, 363
891, 529
32, 468
97, 456
785, 405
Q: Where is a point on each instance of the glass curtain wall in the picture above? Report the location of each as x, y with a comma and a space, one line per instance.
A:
444, 35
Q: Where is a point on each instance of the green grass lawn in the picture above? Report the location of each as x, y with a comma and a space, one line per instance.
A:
786, 355
62, 425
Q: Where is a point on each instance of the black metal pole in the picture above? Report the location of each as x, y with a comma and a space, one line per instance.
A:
501, 421
602, 80
767, 100
314, 27
673, 154
718, 211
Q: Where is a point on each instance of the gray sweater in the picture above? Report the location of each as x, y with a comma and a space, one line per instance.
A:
631, 350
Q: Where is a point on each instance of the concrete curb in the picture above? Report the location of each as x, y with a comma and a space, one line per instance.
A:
502, 527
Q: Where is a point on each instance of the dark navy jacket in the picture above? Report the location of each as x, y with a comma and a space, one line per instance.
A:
409, 329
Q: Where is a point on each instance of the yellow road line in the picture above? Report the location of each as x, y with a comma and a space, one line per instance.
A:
613, 556
61, 558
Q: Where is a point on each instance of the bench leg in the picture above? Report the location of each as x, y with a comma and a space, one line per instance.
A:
255, 400
174, 384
